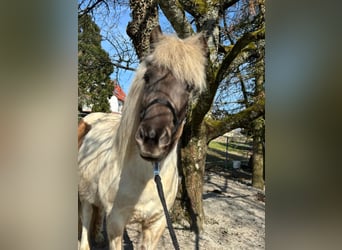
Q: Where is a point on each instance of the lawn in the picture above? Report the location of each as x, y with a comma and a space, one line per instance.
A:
220, 155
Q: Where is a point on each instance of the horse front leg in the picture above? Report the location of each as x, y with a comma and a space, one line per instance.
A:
86, 215
151, 233
97, 227
115, 228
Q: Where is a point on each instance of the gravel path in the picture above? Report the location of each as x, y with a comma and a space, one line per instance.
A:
235, 216
234, 211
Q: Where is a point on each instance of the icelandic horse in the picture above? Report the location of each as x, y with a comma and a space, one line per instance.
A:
117, 154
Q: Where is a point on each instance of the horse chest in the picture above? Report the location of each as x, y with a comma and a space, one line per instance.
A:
145, 212
149, 205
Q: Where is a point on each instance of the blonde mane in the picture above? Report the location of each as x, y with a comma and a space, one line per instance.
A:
186, 60
130, 116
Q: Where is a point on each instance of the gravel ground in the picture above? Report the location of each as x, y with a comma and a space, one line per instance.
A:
234, 211
235, 217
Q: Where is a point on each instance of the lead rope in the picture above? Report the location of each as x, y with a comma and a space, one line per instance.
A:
159, 185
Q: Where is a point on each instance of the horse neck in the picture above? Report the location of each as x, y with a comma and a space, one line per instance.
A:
144, 170
170, 162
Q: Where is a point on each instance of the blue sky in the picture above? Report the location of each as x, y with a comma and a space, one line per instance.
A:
123, 17
125, 77
117, 19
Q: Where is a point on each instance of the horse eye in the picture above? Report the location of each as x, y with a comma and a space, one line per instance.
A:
146, 77
189, 87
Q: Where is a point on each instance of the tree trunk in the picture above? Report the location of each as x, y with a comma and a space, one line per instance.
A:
193, 164
188, 205
258, 154
258, 129
144, 20
197, 131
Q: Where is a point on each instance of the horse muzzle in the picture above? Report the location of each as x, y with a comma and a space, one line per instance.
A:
153, 143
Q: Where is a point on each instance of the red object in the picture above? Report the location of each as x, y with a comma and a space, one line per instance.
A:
119, 93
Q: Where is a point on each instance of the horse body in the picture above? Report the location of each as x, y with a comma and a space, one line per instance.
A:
101, 179
116, 155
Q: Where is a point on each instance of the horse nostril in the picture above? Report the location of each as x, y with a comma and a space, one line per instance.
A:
164, 139
152, 137
140, 135
144, 135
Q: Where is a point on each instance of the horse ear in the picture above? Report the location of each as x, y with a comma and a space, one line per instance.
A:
204, 44
156, 33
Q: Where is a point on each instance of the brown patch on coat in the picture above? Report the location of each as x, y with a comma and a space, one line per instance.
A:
83, 129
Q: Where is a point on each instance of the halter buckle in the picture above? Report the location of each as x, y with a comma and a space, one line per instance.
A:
156, 169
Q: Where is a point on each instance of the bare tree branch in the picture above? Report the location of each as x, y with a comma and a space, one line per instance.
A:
238, 47
123, 67
243, 89
239, 120
228, 3
176, 16
144, 19
190, 7
90, 7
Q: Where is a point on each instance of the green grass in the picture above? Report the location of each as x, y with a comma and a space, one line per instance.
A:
232, 146
236, 150
217, 146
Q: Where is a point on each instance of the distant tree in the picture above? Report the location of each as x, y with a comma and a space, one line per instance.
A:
94, 67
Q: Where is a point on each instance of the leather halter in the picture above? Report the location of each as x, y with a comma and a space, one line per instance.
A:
167, 104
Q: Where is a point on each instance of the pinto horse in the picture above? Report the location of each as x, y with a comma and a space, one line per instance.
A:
117, 154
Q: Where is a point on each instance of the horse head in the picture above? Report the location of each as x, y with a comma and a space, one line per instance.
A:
166, 93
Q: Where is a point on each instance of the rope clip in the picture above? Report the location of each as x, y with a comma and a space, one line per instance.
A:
156, 169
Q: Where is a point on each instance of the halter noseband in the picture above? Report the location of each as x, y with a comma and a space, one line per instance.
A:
167, 104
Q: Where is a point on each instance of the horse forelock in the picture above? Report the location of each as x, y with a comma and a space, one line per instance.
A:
186, 59
130, 115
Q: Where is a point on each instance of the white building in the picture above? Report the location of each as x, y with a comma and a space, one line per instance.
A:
116, 101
